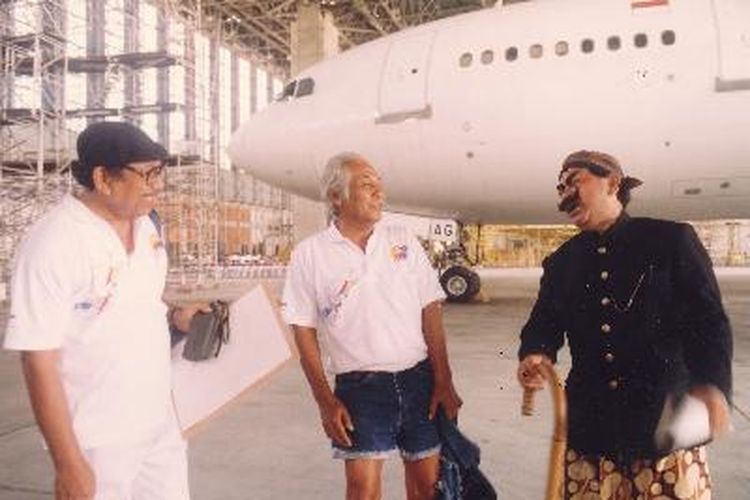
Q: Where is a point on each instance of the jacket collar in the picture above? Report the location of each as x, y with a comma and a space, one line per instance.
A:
613, 232
616, 229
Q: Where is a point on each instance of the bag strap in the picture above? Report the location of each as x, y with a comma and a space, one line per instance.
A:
220, 309
156, 219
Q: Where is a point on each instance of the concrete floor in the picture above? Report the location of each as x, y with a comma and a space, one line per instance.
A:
269, 445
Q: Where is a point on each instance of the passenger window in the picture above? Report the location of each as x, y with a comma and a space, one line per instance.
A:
288, 91
487, 57
640, 40
305, 87
511, 54
613, 43
587, 46
465, 60
536, 51
668, 37
561, 48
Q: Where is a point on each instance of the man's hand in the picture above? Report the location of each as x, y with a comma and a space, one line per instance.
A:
181, 317
445, 395
75, 481
718, 409
529, 375
337, 423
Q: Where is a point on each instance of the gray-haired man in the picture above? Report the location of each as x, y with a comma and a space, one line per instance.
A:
373, 291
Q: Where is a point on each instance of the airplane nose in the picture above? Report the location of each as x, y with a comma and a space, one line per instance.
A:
246, 143
256, 146
273, 149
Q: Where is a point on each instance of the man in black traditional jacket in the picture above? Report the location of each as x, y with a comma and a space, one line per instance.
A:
639, 304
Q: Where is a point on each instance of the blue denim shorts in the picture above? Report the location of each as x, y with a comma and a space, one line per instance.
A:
389, 412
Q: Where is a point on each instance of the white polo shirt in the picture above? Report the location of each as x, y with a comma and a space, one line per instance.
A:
367, 304
75, 289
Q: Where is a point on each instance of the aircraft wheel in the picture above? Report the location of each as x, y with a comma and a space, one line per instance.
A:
459, 283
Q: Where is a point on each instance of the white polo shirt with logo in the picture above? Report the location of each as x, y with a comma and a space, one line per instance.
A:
76, 290
367, 304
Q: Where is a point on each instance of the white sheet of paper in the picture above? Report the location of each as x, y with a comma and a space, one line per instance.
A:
257, 346
683, 426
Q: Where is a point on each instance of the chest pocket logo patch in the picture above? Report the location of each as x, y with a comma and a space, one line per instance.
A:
155, 242
399, 253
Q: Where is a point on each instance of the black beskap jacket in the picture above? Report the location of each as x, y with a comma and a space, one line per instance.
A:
643, 317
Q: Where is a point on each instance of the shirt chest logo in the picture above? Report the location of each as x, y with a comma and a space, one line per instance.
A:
155, 242
399, 253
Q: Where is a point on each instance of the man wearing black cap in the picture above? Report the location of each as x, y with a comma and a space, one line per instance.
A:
639, 304
89, 321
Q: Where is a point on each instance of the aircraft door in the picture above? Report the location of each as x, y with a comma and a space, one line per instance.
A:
403, 83
733, 26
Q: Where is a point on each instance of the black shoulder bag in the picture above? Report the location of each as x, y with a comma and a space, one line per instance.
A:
209, 331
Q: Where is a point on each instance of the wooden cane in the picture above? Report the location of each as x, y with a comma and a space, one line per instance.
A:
559, 435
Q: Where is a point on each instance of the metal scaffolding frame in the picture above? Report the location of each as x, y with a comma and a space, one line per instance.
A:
34, 143
37, 147
199, 192
190, 208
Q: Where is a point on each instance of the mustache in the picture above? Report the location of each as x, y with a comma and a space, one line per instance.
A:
569, 203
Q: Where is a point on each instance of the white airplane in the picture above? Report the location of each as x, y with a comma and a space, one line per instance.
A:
470, 116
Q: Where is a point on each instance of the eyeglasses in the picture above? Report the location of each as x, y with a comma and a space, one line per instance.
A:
149, 175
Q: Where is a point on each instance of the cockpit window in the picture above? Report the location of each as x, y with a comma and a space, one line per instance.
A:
305, 87
288, 91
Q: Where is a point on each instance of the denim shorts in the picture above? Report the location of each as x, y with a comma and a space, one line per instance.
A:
389, 412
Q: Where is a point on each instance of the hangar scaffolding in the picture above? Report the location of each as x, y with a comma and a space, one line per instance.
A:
66, 63
34, 144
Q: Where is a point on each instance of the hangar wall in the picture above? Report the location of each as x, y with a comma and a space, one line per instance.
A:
727, 243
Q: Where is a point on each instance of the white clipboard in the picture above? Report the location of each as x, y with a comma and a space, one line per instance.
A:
259, 344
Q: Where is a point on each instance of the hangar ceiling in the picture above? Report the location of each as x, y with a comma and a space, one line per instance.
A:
263, 26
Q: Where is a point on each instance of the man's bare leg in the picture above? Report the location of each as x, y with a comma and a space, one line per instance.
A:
421, 476
363, 479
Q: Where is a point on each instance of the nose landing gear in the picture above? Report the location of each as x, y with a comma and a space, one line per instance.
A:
460, 283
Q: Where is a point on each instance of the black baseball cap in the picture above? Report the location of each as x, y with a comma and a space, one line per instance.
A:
113, 145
